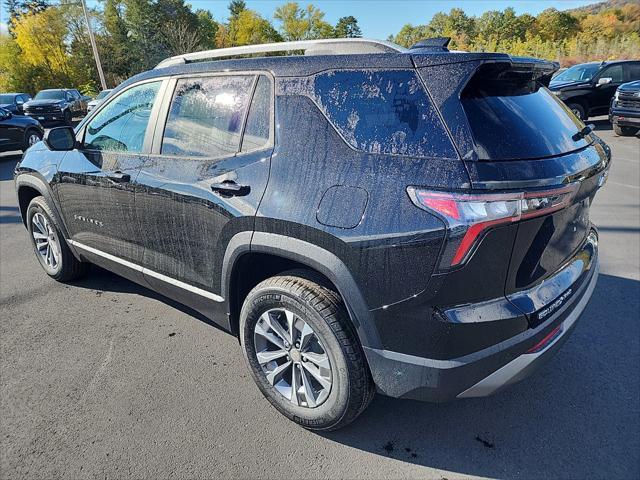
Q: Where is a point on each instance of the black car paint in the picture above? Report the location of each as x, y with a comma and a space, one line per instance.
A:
594, 98
625, 111
14, 130
163, 216
16, 106
52, 112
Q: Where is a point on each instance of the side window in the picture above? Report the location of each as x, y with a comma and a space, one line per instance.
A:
256, 133
614, 72
121, 125
633, 71
384, 111
206, 115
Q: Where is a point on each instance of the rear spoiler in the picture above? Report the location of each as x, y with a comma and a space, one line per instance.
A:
542, 70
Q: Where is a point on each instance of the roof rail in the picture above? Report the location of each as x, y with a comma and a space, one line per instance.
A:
330, 46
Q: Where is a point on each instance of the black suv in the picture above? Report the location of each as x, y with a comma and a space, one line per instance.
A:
624, 113
18, 132
14, 102
589, 87
57, 106
354, 215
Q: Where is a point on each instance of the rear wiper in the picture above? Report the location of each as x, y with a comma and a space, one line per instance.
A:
583, 133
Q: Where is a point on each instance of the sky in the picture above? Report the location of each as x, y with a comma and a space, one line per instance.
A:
377, 18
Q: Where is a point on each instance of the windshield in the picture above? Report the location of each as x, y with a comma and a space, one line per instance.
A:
578, 73
103, 94
6, 99
50, 95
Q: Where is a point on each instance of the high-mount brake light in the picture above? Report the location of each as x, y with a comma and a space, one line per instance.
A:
469, 216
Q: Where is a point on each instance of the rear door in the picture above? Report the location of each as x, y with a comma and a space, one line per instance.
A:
205, 179
97, 181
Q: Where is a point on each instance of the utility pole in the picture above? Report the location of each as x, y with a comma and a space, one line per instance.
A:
94, 46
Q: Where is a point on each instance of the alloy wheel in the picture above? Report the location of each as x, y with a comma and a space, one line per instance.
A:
292, 357
46, 241
32, 139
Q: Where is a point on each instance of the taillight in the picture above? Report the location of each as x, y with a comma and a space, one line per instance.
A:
468, 216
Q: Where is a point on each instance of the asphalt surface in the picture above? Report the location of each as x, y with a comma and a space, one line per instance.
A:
104, 378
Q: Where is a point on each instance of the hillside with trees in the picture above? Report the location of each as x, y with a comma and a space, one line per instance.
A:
48, 45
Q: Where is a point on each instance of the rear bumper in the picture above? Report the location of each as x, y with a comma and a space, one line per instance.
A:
624, 117
486, 371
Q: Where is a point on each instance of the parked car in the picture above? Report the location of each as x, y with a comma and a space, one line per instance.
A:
56, 106
624, 113
18, 132
14, 102
96, 101
588, 88
356, 218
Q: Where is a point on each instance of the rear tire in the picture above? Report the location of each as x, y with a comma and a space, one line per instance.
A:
328, 358
625, 131
49, 245
578, 110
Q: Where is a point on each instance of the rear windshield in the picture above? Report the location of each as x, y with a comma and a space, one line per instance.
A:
50, 95
383, 111
7, 98
514, 117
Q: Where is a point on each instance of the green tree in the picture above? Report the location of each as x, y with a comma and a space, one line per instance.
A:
554, 25
207, 28
347, 27
236, 7
297, 23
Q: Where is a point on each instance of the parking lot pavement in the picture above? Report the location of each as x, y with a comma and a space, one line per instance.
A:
105, 378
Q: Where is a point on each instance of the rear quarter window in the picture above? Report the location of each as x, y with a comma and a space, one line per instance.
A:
385, 112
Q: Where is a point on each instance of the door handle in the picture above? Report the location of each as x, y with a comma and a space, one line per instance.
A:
230, 188
119, 177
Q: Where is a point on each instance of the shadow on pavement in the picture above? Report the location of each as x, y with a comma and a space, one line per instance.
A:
102, 280
578, 421
601, 124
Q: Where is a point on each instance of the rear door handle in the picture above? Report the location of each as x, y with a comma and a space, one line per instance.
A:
230, 188
119, 177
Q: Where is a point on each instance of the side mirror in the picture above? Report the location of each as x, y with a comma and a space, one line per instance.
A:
604, 81
60, 139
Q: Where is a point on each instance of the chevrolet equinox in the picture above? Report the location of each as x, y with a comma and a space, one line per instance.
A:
363, 217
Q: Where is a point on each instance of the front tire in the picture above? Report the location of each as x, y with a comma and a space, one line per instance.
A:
303, 353
68, 118
31, 137
578, 110
49, 245
625, 131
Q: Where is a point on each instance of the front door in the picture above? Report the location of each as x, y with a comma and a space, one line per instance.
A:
602, 94
97, 181
204, 182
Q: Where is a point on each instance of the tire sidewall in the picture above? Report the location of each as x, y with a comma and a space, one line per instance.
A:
36, 207
336, 405
27, 134
582, 115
